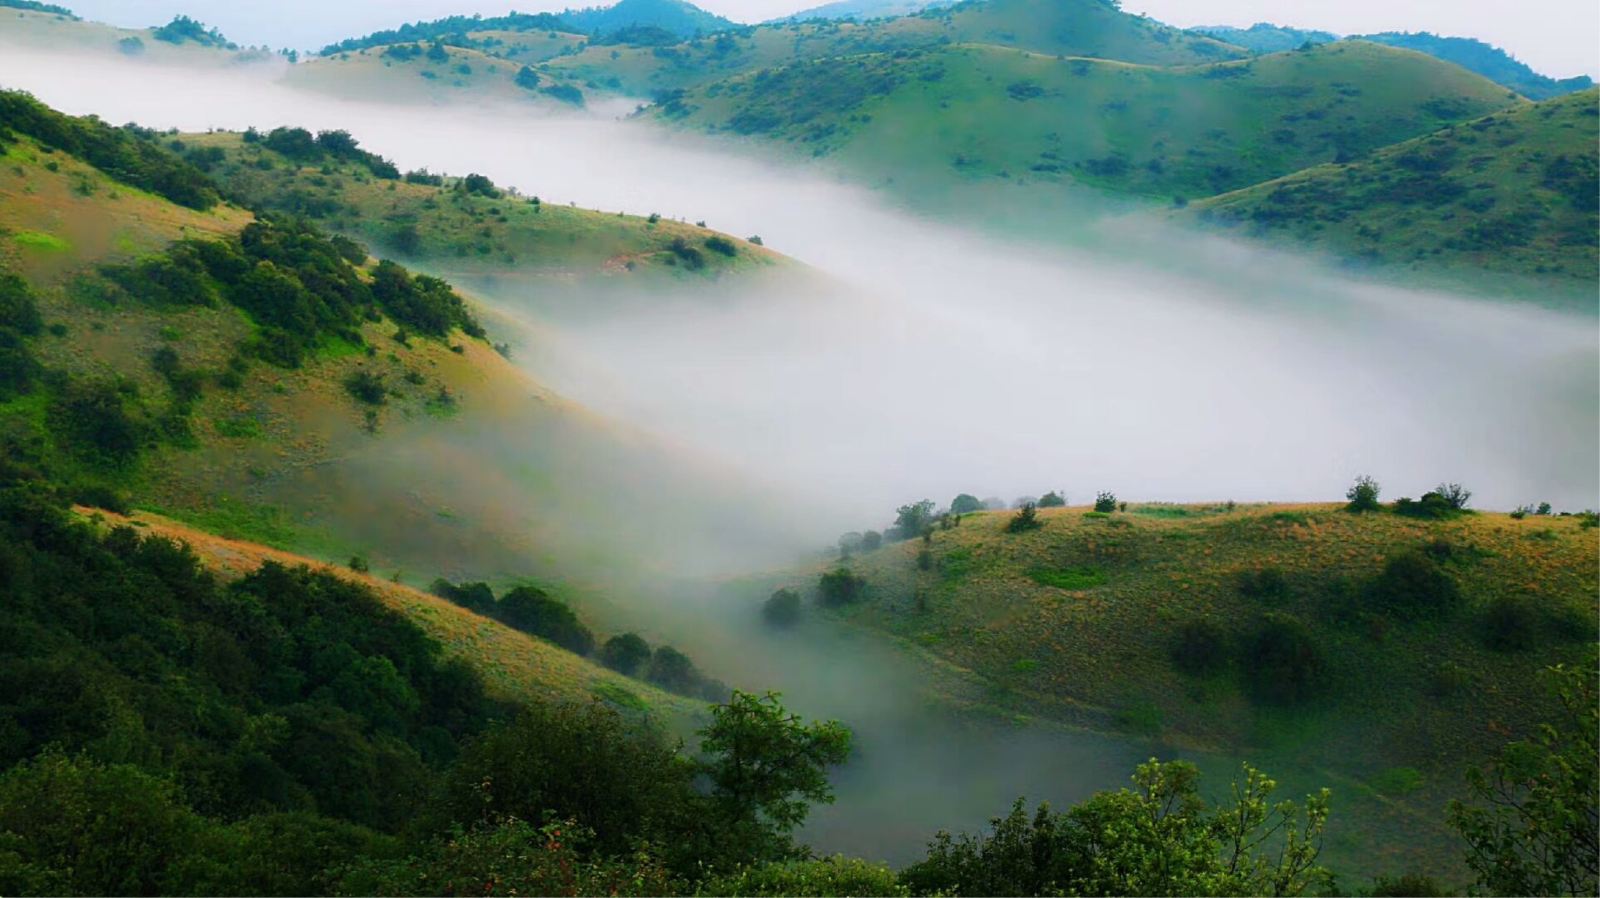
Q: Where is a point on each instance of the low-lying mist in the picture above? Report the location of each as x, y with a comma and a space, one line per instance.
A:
919, 357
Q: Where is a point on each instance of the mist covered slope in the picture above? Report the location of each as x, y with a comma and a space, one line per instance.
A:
976, 111
457, 226
1382, 651
1512, 193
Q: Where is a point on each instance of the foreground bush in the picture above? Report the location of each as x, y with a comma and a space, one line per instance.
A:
825, 878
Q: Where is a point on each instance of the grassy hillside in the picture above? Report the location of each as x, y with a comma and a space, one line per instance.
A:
1147, 622
488, 68
482, 231
1512, 193
515, 667
981, 111
1079, 619
677, 17
52, 32
1090, 28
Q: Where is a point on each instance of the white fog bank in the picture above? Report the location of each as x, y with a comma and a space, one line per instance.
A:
932, 359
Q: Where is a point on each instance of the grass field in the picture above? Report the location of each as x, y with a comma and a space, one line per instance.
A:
978, 111
1512, 193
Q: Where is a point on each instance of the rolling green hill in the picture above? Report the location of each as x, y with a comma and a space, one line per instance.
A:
677, 17
1473, 55
979, 111
461, 231
1298, 636
1512, 193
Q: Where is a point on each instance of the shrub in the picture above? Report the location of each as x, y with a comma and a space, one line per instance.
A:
1264, 583
1413, 587
366, 387
1511, 624
871, 541
823, 878
18, 310
94, 421
1432, 506
1200, 648
1105, 503
925, 560
1363, 494
1455, 495
840, 587
1281, 660
673, 671
626, 654
1053, 500
1025, 520
782, 609
912, 521
722, 245
475, 597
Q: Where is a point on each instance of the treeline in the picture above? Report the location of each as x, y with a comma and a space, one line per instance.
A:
452, 27
302, 146
35, 6
164, 733
128, 154
535, 612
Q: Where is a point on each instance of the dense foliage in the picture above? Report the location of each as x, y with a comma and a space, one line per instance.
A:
1159, 838
127, 154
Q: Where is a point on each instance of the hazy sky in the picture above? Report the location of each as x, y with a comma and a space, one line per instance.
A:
1557, 37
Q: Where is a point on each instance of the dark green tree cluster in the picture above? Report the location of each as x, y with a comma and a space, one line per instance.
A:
184, 30
451, 28
300, 145
300, 286
19, 319
162, 732
131, 155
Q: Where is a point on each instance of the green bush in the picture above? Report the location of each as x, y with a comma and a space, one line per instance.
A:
1511, 623
1105, 503
782, 609
1413, 587
366, 387
1281, 661
1052, 500
965, 504
723, 246
1026, 519
1264, 583
1200, 647
840, 587
533, 611
825, 877
626, 654
1363, 495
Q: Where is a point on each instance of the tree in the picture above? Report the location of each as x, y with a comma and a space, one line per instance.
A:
527, 79
1159, 838
1053, 500
673, 671
782, 609
1363, 494
1414, 587
1025, 520
1105, 502
965, 504
840, 587
1454, 494
626, 654
911, 521
767, 767
532, 610
1533, 826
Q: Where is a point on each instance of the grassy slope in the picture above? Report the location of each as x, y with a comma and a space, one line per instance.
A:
1092, 602
1077, 28
45, 31
370, 75
985, 111
515, 666
1074, 622
244, 480
1513, 193
474, 235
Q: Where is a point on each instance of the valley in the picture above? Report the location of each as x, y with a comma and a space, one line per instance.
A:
481, 402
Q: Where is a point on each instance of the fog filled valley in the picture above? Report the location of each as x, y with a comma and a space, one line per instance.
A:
671, 440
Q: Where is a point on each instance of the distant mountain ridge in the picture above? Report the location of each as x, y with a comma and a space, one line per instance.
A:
677, 16
864, 9
1474, 55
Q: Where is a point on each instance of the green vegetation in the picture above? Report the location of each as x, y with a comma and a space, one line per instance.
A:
184, 30
1512, 193
1159, 838
1163, 132
36, 6
452, 29
126, 154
